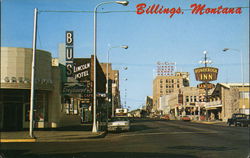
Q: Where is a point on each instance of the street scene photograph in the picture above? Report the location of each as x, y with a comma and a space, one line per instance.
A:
124, 79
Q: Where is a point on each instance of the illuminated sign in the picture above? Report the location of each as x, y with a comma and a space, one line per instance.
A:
204, 85
78, 88
69, 53
81, 69
206, 73
165, 68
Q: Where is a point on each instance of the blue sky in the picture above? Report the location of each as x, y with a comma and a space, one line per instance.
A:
151, 38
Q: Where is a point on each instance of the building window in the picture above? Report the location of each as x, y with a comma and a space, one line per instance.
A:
166, 81
244, 94
191, 98
166, 86
187, 99
172, 80
178, 86
161, 81
195, 99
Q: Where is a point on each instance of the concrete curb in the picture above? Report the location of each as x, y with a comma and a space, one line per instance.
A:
16, 140
74, 138
211, 123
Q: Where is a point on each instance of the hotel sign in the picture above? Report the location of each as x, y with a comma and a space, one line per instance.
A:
84, 88
204, 86
81, 69
206, 74
69, 53
165, 68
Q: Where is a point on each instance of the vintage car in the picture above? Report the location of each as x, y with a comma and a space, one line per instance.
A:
119, 124
165, 117
239, 119
185, 118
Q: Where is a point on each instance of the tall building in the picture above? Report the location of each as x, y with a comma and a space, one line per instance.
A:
61, 53
164, 85
113, 84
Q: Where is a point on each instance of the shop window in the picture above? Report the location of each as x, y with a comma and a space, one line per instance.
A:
71, 106
40, 108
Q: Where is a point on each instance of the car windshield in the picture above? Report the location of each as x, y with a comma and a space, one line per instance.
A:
119, 119
240, 115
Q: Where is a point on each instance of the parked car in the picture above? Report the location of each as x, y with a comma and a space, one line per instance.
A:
239, 119
119, 124
165, 117
185, 118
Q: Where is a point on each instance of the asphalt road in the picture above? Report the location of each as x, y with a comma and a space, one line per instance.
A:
147, 139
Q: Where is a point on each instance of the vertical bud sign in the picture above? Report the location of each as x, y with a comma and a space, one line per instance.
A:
69, 53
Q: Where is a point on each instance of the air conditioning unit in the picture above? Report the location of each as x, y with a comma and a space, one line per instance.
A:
13, 80
20, 80
7, 79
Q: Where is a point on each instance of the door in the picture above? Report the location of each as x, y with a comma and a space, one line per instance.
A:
13, 116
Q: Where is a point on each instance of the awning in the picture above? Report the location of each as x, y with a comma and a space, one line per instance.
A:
213, 107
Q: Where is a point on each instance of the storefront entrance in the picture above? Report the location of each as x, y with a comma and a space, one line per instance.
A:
13, 116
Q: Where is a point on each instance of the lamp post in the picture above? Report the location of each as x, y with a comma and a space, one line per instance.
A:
107, 76
125, 3
205, 62
32, 86
242, 70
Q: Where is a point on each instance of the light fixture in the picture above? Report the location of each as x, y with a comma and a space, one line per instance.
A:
125, 3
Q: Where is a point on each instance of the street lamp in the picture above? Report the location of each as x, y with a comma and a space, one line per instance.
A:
32, 86
107, 76
242, 70
206, 62
125, 3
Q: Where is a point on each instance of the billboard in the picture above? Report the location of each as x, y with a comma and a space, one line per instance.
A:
206, 74
165, 68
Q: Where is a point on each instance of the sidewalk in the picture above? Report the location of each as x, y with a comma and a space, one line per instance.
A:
68, 134
219, 123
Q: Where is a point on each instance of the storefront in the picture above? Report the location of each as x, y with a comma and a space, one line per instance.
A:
15, 91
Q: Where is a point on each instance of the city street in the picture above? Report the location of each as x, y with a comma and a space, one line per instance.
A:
147, 139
